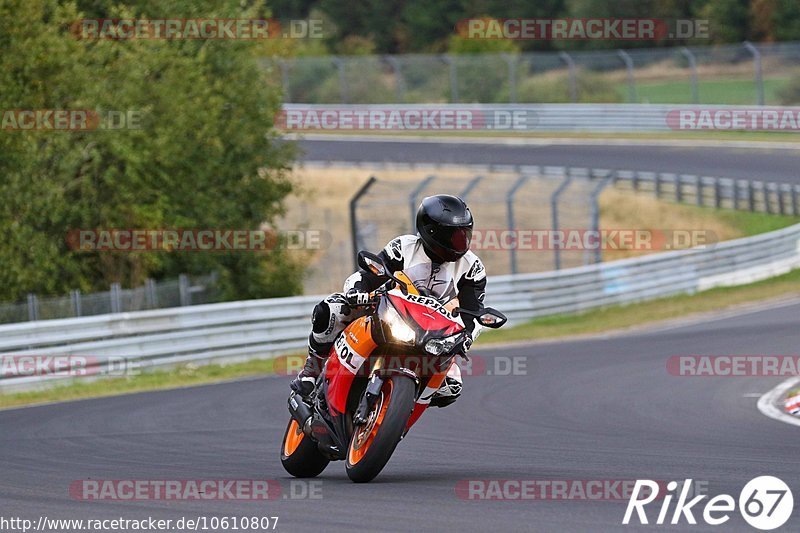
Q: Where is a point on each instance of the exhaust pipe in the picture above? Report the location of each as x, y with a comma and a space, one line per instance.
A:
299, 411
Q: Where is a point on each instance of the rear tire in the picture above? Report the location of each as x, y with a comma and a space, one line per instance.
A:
300, 455
373, 444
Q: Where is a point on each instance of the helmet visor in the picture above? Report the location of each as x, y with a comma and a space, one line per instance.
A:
453, 238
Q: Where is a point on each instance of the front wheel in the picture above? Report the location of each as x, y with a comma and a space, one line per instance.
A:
300, 455
374, 442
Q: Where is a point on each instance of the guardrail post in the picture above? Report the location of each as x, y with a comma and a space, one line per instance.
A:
628, 60
284, 66
471, 185
717, 193
412, 199
511, 221
635, 180
573, 78
758, 74
751, 196
693, 76
767, 191
699, 189
554, 213
736, 193
453, 77
183, 290
511, 61
781, 198
678, 188
354, 217
795, 203
114, 295
33, 307
658, 181
75, 302
612, 174
399, 82
339, 63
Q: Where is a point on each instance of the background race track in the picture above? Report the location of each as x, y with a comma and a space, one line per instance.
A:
600, 408
762, 164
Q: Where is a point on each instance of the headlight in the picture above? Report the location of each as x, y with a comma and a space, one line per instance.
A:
400, 330
441, 346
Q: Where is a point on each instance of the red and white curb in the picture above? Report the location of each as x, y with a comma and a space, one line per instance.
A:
774, 404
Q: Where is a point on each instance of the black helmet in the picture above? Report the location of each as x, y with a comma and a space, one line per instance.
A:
444, 224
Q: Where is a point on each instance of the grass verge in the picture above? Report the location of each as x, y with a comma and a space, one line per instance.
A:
610, 318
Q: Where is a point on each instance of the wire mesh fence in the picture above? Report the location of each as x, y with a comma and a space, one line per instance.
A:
186, 290
766, 73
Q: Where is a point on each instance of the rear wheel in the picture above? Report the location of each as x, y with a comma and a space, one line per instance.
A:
373, 443
299, 454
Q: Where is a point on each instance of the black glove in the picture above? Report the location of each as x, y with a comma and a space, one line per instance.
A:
462, 347
356, 297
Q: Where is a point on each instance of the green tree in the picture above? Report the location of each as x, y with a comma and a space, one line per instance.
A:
205, 155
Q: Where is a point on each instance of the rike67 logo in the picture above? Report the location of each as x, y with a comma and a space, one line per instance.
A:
765, 503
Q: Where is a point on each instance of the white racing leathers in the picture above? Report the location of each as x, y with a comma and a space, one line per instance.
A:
464, 278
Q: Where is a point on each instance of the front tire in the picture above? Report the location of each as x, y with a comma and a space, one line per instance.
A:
373, 443
300, 455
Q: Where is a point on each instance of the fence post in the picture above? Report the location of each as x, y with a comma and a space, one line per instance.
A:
354, 217
758, 74
658, 184
284, 66
150, 295
679, 188
767, 192
554, 214
114, 295
735, 193
782, 198
471, 185
453, 77
511, 61
751, 196
183, 290
399, 82
510, 219
612, 175
693, 76
573, 79
75, 301
717, 194
628, 60
412, 199
33, 307
339, 63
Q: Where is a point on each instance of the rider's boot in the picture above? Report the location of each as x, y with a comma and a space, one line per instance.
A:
306, 380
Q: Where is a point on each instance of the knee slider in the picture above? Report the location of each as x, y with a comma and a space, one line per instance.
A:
320, 317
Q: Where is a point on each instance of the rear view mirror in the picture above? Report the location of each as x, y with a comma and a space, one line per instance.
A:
492, 318
372, 263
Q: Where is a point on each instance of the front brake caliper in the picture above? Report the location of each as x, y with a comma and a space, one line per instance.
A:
368, 400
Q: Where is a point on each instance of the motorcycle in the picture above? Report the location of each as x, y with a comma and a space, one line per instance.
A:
380, 376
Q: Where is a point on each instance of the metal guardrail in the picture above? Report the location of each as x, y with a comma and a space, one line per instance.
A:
263, 328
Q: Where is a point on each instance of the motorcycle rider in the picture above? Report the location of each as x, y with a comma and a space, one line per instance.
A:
436, 259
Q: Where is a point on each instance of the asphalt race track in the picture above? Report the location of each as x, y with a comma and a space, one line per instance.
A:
763, 164
591, 409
